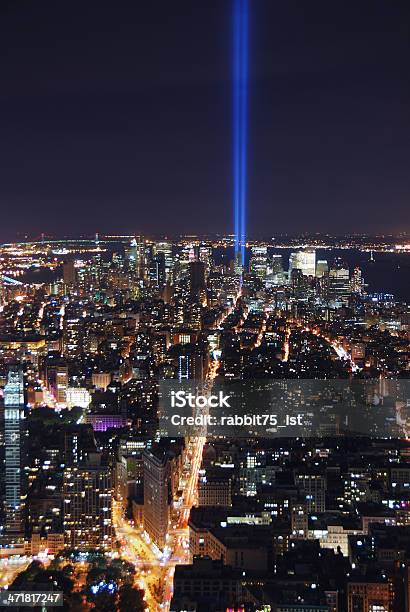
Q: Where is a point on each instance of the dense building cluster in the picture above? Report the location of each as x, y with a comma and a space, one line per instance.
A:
295, 524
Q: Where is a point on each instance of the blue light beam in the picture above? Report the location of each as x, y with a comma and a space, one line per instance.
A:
240, 123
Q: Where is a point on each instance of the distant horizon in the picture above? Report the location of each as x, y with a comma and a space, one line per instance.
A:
87, 236
10, 235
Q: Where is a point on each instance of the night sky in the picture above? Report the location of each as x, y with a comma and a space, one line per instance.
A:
116, 116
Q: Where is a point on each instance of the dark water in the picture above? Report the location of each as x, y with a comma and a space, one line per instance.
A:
389, 273
40, 275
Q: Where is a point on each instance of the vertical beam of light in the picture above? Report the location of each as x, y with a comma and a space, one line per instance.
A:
240, 123
244, 127
236, 119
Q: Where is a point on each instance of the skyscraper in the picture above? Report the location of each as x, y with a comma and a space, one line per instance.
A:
304, 261
135, 256
357, 281
87, 496
165, 247
197, 281
73, 332
205, 255
339, 282
157, 270
322, 268
276, 274
13, 415
192, 364
276, 264
258, 264
157, 495
57, 378
69, 273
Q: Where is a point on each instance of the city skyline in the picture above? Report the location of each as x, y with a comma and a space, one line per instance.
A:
108, 502
205, 306
110, 120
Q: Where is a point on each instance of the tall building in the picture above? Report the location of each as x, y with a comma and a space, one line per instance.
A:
157, 495
357, 281
322, 268
157, 270
238, 263
339, 282
73, 332
258, 264
205, 255
165, 247
69, 273
276, 263
135, 256
197, 277
299, 283
192, 364
304, 261
57, 379
276, 275
13, 415
87, 499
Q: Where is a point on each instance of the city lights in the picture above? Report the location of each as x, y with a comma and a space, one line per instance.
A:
205, 307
